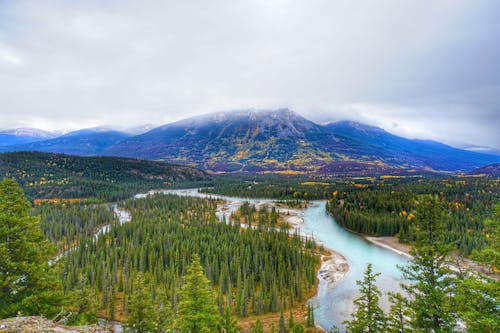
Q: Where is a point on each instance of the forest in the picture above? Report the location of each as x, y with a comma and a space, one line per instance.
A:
176, 267
388, 209
255, 271
102, 179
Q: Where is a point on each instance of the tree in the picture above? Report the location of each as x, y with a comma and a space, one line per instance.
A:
28, 284
478, 295
228, 324
257, 327
399, 314
368, 316
197, 309
165, 315
431, 279
141, 311
281, 324
310, 316
297, 328
85, 299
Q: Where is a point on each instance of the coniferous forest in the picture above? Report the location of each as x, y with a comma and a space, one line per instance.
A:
175, 267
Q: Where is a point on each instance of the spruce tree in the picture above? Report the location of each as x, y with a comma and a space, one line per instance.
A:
257, 327
197, 309
28, 284
478, 295
399, 314
368, 316
141, 311
431, 280
228, 324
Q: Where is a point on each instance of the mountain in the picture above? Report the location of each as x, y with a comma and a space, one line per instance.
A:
283, 141
492, 170
265, 141
23, 135
376, 144
243, 141
84, 142
48, 175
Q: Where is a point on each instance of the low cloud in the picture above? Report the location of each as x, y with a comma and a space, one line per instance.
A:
416, 68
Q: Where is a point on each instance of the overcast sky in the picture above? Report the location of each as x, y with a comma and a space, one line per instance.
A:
426, 69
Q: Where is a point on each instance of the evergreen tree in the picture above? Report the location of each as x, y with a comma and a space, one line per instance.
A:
281, 324
257, 327
85, 299
164, 312
228, 324
291, 322
431, 280
141, 311
478, 296
368, 316
310, 316
297, 328
197, 309
28, 284
399, 314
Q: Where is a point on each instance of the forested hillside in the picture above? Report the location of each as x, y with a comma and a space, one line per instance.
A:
46, 175
388, 209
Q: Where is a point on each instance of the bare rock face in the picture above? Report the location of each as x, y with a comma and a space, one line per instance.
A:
41, 324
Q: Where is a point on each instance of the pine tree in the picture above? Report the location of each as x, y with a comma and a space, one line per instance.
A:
141, 311
28, 284
85, 299
431, 280
257, 327
297, 328
228, 324
368, 316
478, 297
399, 314
310, 316
281, 324
164, 311
197, 309
291, 322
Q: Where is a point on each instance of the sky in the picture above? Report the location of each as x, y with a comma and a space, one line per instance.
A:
417, 68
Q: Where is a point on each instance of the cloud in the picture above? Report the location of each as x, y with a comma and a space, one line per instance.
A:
431, 67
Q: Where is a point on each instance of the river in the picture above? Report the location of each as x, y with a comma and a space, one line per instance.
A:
334, 304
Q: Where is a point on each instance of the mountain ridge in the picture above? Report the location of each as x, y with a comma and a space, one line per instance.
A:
267, 141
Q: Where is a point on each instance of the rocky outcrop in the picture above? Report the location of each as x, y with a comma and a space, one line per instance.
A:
41, 324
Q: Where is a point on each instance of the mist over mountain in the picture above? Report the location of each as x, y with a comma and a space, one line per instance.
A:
264, 141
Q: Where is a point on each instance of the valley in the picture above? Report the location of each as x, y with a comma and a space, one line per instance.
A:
279, 235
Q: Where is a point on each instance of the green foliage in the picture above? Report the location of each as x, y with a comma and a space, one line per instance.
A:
431, 281
478, 302
228, 324
255, 270
399, 314
368, 316
297, 328
28, 284
197, 310
310, 316
388, 209
257, 327
85, 299
45, 175
67, 223
142, 313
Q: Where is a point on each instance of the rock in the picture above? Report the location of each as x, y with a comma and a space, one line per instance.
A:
41, 324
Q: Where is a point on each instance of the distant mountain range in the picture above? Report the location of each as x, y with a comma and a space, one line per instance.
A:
267, 141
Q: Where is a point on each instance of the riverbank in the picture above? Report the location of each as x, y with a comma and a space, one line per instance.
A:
390, 243
458, 263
